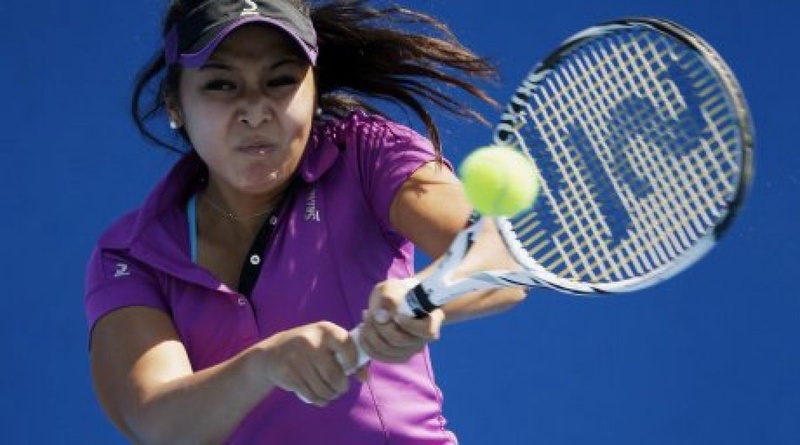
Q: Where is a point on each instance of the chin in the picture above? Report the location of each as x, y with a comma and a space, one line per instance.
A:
262, 182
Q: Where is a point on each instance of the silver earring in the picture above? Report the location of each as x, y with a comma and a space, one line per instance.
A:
173, 125
318, 112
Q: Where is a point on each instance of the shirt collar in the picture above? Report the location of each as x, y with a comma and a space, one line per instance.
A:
321, 152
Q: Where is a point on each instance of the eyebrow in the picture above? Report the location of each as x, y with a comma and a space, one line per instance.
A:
219, 65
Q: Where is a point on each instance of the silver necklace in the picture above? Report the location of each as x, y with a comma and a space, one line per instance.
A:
229, 214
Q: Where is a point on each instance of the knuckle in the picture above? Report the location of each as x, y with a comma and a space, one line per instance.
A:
326, 326
381, 287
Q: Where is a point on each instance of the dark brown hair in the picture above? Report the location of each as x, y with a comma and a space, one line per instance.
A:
366, 53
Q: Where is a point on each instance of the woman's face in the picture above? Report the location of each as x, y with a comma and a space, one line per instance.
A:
248, 111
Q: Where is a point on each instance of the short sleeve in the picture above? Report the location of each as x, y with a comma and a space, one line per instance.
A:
114, 281
385, 154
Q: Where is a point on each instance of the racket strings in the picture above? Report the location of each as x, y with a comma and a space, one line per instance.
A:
578, 193
624, 196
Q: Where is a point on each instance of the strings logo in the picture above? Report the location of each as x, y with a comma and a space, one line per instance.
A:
251, 9
312, 214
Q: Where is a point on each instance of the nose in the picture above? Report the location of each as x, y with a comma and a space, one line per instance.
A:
255, 110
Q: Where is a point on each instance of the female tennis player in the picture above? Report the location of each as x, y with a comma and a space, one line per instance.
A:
289, 219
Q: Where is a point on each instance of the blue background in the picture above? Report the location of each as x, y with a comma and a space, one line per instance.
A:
709, 357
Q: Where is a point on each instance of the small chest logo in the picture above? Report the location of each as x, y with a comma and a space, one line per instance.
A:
251, 9
312, 214
121, 270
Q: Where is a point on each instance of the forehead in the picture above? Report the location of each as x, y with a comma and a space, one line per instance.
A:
257, 41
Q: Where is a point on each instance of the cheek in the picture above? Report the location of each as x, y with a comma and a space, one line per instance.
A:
202, 119
204, 125
300, 113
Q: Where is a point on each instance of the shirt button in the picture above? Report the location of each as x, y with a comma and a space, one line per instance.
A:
255, 259
242, 301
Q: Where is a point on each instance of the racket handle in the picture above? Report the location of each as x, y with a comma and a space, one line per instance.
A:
362, 358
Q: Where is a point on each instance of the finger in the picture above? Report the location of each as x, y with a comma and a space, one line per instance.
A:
394, 335
347, 355
371, 343
385, 298
381, 352
377, 347
378, 299
305, 391
341, 360
328, 380
319, 373
323, 383
427, 328
389, 334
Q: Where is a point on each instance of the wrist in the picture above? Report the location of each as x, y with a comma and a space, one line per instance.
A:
255, 361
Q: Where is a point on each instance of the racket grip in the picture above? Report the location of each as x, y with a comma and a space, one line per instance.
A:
362, 358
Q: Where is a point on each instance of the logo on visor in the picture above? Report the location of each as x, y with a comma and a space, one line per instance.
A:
252, 8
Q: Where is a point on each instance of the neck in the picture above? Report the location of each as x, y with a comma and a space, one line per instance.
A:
242, 215
227, 223
233, 216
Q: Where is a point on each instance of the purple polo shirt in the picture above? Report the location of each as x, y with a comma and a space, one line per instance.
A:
332, 243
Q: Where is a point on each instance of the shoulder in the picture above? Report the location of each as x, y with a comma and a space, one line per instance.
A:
368, 130
363, 142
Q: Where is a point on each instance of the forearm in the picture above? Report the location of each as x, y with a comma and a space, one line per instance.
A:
479, 304
203, 407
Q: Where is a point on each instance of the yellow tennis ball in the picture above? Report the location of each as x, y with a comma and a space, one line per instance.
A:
499, 181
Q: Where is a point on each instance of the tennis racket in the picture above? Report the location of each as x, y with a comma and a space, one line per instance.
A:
643, 142
644, 145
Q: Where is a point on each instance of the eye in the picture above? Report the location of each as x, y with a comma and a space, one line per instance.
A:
220, 85
282, 81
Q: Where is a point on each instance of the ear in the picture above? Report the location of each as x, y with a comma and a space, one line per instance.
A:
173, 111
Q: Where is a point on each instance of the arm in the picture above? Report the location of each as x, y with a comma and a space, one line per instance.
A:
146, 385
429, 209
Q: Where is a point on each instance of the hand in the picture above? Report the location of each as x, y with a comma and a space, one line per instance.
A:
312, 361
389, 336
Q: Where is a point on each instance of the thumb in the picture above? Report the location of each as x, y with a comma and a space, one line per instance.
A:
381, 306
381, 316
388, 297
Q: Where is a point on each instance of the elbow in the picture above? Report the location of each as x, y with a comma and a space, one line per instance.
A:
502, 300
147, 429
518, 295
510, 297
151, 427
